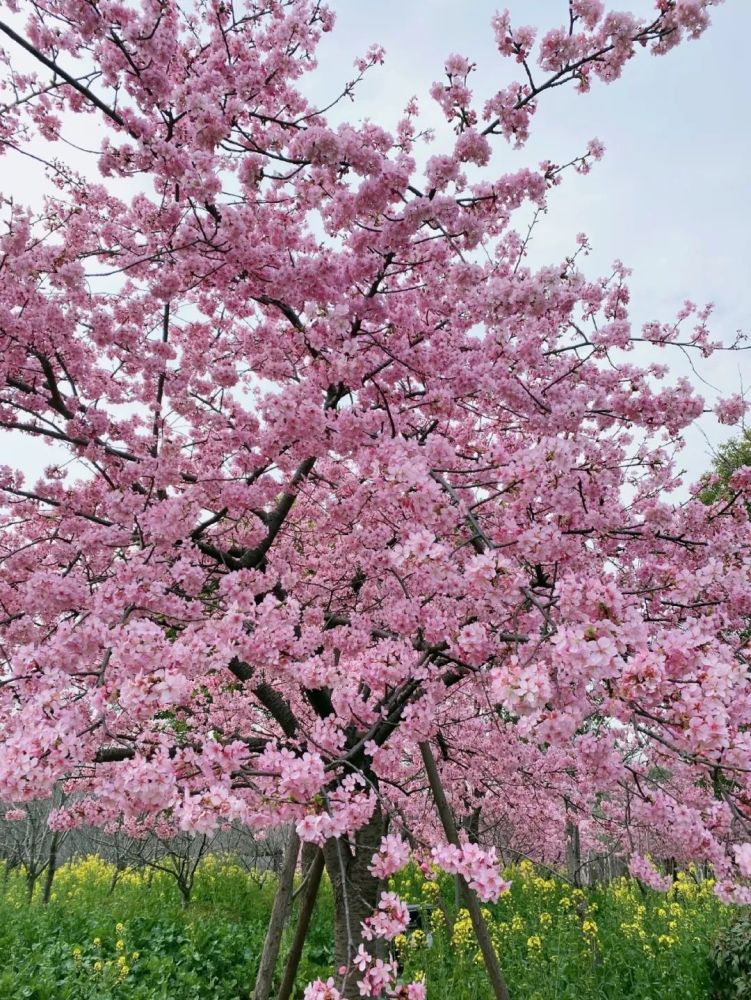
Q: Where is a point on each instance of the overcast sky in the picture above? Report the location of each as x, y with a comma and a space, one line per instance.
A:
670, 199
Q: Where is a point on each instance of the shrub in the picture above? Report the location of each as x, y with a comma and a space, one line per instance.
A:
730, 960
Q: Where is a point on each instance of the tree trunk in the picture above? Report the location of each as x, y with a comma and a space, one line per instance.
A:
49, 875
312, 874
472, 825
308, 856
119, 869
279, 914
573, 852
355, 896
7, 869
31, 881
493, 966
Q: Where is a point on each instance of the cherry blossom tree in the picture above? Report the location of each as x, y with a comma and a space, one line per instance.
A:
352, 520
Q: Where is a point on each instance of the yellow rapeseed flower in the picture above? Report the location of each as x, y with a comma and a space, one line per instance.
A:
417, 939
542, 885
462, 934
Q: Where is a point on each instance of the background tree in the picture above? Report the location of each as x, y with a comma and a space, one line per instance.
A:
732, 457
27, 842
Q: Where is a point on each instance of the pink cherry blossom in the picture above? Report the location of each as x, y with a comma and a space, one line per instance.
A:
731, 410
742, 858
392, 855
645, 871
320, 990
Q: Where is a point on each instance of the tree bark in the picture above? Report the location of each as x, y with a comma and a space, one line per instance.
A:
308, 856
312, 872
31, 881
49, 875
119, 869
355, 896
279, 914
479, 926
573, 852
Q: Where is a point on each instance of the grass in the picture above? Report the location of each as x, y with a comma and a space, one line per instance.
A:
555, 942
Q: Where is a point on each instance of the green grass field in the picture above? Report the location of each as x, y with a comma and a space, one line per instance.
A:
555, 942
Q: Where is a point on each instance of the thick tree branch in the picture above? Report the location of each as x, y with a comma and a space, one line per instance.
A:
71, 80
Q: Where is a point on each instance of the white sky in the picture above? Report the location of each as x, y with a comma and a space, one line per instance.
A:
671, 197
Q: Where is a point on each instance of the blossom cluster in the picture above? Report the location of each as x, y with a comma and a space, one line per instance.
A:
479, 867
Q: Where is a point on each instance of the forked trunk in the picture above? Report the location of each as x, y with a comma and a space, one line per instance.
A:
119, 869
279, 914
312, 873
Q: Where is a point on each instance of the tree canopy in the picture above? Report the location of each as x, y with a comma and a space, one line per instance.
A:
352, 519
